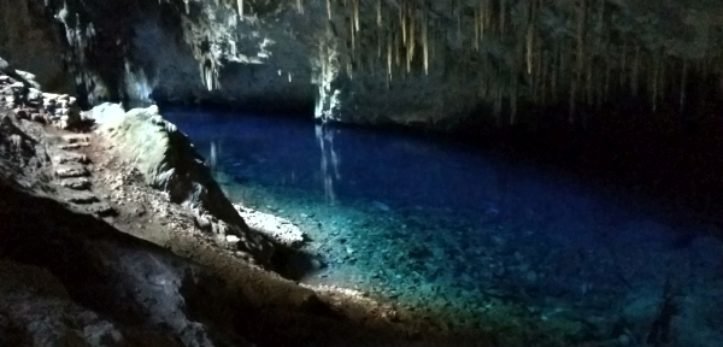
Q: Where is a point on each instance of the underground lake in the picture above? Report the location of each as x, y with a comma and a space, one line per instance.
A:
469, 235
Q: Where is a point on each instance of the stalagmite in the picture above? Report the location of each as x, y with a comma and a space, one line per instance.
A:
389, 60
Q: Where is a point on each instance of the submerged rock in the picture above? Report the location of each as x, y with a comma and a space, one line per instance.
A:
279, 229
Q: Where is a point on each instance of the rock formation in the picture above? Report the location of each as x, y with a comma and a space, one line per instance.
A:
431, 62
167, 161
101, 244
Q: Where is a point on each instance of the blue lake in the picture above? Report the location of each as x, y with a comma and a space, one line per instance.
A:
470, 237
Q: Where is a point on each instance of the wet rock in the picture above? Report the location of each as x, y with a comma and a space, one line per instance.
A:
279, 229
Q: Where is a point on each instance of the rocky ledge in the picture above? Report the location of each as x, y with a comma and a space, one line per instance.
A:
107, 240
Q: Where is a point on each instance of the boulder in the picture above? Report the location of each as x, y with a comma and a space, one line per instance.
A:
168, 162
281, 230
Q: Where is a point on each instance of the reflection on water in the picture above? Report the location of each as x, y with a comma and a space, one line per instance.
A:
329, 161
479, 241
213, 155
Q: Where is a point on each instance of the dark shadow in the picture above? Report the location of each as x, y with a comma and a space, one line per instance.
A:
40, 232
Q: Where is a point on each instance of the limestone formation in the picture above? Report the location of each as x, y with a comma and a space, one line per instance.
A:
167, 161
412, 62
279, 229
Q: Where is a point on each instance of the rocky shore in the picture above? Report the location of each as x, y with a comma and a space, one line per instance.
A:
114, 234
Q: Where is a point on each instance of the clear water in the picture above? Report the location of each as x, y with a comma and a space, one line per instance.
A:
470, 238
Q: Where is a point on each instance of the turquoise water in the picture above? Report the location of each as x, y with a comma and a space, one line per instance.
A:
470, 238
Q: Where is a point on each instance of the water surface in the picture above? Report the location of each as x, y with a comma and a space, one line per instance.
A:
469, 236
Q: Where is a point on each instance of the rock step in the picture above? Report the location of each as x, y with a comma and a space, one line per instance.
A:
71, 171
76, 183
76, 138
72, 146
83, 199
70, 158
101, 209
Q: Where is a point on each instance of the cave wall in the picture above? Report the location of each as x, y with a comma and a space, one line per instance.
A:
374, 61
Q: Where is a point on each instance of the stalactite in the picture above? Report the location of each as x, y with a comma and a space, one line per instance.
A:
480, 20
425, 42
380, 42
530, 38
476, 21
683, 86
328, 9
487, 20
458, 14
502, 16
411, 39
497, 108
662, 80
355, 10
300, 6
397, 51
350, 69
352, 35
623, 63
635, 76
403, 21
580, 58
557, 66
654, 81
514, 97
379, 13
538, 74
544, 77
240, 5
589, 81
608, 76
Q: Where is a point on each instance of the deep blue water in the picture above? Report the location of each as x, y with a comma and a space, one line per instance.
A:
471, 236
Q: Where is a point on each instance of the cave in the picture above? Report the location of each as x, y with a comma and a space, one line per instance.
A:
361, 173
